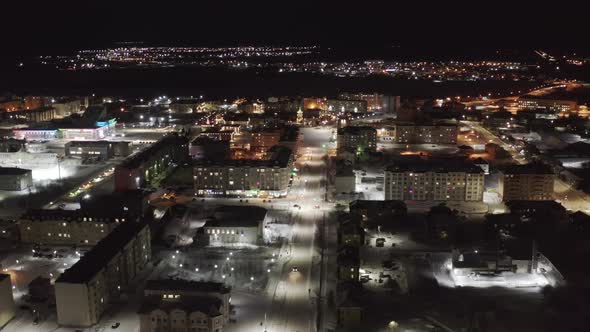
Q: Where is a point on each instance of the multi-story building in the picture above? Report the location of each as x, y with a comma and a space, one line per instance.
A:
68, 227
262, 140
348, 261
102, 150
184, 106
41, 114
15, 179
375, 102
66, 106
145, 167
236, 224
434, 181
85, 290
219, 134
562, 106
347, 106
531, 182
315, 104
245, 177
174, 289
441, 132
7, 306
344, 180
355, 138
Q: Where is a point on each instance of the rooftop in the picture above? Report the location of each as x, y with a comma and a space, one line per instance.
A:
355, 130
531, 168
186, 285
280, 157
13, 171
104, 215
139, 158
208, 305
101, 254
437, 166
237, 216
376, 205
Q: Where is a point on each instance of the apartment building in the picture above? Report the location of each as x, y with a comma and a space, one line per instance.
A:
245, 177
434, 181
7, 306
148, 166
355, 138
68, 227
530, 182
554, 105
441, 132
85, 290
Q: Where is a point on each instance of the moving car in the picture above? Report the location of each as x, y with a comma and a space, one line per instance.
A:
294, 269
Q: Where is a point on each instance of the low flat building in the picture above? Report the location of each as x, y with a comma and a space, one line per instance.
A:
102, 150
68, 227
174, 289
236, 225
85, 290
15, 179
434, 181
532, 181
7, 306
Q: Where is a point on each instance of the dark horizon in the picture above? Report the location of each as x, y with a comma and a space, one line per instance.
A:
432, 28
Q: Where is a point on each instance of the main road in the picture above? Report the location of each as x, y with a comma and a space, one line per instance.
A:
296, 286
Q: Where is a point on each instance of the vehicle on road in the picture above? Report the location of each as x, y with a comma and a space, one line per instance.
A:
294, 269
380, 242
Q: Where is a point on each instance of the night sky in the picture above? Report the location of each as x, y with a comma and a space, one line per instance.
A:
49, 27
